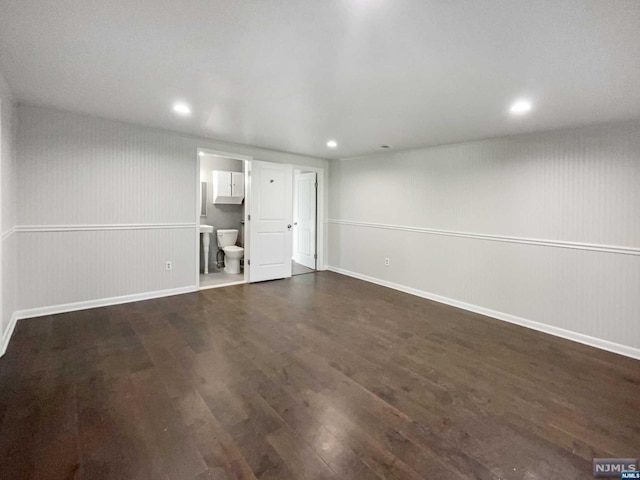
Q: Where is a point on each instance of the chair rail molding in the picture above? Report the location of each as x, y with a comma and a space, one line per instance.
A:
8, 233
621, 250
101, 227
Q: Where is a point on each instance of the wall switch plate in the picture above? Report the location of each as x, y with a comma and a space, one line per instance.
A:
168, 265
387, 262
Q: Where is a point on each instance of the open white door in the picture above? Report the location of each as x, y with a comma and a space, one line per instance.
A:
304, 219
270, 218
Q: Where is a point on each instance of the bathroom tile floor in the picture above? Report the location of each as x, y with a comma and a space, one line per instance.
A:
220, 278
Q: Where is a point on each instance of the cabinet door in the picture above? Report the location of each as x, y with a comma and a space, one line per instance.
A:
222, 183
237, 184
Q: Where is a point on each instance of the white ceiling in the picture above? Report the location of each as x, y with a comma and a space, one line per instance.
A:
291, 74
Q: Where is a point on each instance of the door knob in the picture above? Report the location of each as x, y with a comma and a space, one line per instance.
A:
289, 226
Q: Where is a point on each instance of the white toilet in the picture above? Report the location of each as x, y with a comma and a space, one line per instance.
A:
232, 253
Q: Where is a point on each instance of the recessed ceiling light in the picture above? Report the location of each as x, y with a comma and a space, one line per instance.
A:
181, 109
520, 106
332, 144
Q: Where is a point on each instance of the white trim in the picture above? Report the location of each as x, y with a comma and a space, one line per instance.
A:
498, 238
101, 227
220, 153
620, 349
246, 232
246, 159
8, 233
320, 211
7, 333
197, 217
101, 302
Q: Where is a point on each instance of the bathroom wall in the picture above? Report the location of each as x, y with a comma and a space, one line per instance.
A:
103, 204
219, 215
540, 229
8, 266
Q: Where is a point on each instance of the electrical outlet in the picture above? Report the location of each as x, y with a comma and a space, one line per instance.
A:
387, 262
168, 265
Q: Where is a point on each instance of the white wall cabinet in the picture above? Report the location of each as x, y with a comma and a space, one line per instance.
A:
237, 185
228, 187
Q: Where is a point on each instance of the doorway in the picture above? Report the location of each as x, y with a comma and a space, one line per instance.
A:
265, 234
304, 257
221, 235
271, 203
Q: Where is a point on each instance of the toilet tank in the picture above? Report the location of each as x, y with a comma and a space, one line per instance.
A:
226, 238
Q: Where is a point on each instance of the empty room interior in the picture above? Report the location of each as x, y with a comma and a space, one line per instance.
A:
341, 239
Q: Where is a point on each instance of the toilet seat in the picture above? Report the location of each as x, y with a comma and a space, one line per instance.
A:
233, 249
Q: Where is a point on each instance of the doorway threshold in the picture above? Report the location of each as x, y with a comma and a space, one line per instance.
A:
220, 278
208, 287
299, 269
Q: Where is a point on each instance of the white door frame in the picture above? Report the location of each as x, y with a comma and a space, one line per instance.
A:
320, 202
247, 168
296, 221
320, 212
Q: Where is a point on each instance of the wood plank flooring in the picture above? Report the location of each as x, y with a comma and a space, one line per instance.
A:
316, 377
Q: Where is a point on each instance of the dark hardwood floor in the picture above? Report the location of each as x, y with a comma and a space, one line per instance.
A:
316, 377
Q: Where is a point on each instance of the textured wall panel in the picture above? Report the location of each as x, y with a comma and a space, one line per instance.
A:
96, 172
592, 293
9, 280
68, 267
76, 170
8, 273
7, 159
578, 185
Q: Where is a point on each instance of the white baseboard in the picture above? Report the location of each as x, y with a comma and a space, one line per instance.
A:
7, 334
101, 302
541, 327
72, 307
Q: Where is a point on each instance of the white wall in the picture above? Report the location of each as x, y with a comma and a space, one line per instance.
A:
103, 204
8, 276
7, 140
540, 229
